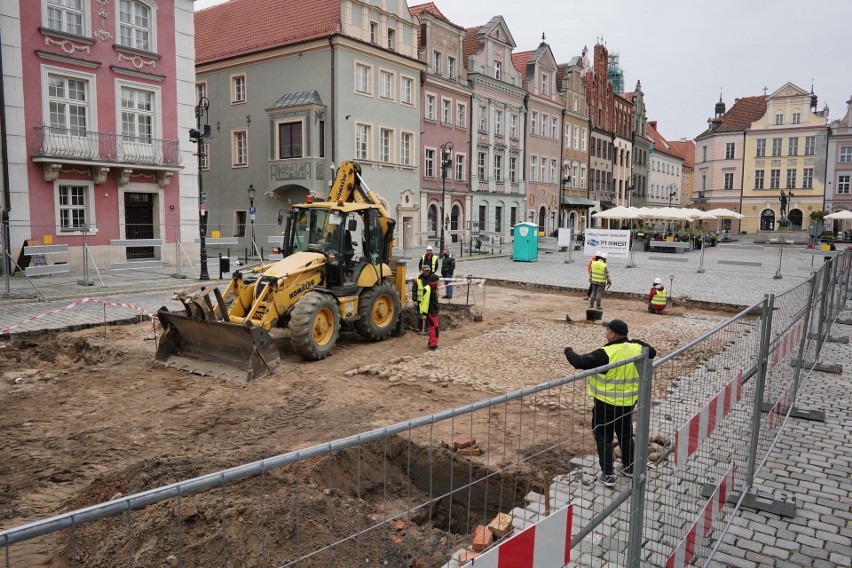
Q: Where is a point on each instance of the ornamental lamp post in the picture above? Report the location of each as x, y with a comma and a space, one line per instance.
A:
446, 164
251, 193
197, 136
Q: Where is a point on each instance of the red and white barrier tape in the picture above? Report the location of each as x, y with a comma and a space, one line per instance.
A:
78, 303
700, 426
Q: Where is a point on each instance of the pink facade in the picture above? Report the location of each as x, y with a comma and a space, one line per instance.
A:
100, 92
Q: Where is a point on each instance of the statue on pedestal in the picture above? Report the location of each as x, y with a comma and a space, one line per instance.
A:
783, 200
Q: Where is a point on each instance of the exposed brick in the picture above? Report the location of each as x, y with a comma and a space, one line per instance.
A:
482, 538
500, 525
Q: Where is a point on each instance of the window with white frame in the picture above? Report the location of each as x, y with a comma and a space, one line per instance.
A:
391, 39
544, 84
533, 122
808, 178
729, 180
498, 167
554, 128
67, 16
204, 158
451, 67
577, 138
405, 146
761, 148
483, 118
544, 121
776, 147
758, 179
843, 184
407, 90
238, 89
797, 117
73, 204
498, 122
567, 134
497, 70
845, 155
386, 85
429, 165
583, 138
774, 179
533, 167
137, 115
429, 111
385, 145
791, 178
513, 125
730, 148
543, 164
135, 27
239, 148
460, 166
362, 79
481, 160
374, 32
498, 219
793, 146
461, 114
810, 145
446, 111
552, 171
583, 177
201, 90
779, 118
436, 62
513, 169
362, 141
68, 104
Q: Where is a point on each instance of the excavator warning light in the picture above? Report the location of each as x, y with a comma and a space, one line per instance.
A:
340, 202
309, 198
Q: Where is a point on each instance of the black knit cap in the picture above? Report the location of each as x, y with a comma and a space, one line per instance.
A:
617, 326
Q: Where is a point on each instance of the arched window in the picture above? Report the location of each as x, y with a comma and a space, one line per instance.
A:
136, 19
542, 219
455, 221
432, 220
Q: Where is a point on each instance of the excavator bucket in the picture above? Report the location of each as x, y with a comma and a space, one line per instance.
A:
216, 348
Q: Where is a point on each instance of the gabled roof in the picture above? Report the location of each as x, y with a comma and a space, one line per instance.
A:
686, 149
741, 116
240, 27
471, 43
797, 91
430, 8
520, 61
661, 144
298, 99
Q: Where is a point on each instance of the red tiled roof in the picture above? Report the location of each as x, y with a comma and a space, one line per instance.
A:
744, 112
432, 9
471, 43
686, 150
660, 143
520, 60
629, 96
240, 27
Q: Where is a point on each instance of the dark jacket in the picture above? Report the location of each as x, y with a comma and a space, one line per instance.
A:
448, 266
424, 280
429, 260
433, 298
598, 357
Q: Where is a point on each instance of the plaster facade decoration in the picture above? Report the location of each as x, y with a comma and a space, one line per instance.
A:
137, 61
102, 33
67, 45
99, 174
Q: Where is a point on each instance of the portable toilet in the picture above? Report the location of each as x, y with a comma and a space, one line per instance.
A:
526, 242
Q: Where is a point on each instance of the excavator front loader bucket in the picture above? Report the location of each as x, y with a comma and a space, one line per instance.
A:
216, 348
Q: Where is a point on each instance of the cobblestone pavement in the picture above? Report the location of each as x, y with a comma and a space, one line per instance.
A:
812, 461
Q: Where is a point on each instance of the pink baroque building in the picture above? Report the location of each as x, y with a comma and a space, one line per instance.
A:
445, 199
99, 98
838, 193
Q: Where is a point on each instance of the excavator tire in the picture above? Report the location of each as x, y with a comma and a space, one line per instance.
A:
314, 326
378, 312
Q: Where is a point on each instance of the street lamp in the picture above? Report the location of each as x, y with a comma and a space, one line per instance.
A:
197, 135
673, 191
251, 193
446, 164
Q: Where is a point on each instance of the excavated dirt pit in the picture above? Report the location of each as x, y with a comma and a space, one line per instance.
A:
88, 415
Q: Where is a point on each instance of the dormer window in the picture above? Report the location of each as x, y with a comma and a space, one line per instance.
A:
496, 69
391, 39
779, 118
374, 32
544, 85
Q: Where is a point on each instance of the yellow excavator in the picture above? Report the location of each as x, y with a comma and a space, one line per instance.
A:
337, 271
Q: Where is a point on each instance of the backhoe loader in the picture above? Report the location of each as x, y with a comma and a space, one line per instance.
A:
337, 271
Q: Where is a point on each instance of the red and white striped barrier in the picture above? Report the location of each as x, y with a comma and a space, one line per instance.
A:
700, 426
543, 545
787, 343
77, 303
779, 409
685, 551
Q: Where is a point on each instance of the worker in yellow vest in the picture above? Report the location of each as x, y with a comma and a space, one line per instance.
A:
658, 297
615, 393
418, 288
600, 280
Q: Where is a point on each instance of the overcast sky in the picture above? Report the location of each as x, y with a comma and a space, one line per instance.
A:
685, 51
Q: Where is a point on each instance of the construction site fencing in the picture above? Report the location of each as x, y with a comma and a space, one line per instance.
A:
522, 464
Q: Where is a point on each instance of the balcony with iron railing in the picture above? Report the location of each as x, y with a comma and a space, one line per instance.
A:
104, 148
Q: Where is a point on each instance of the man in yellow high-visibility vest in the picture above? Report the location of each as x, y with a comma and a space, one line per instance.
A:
615, 393
600, 280
658, 298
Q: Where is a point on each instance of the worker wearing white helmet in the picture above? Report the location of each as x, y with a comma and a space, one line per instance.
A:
429, 260
600, 280
658, 297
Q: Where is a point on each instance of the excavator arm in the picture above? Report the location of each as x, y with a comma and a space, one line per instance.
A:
349, 186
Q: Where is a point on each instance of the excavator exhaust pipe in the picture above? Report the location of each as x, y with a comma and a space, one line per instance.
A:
215, 348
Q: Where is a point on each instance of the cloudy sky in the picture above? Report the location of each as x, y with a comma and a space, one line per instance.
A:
686, 51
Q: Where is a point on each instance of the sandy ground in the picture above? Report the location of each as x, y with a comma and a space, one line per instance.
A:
88, 414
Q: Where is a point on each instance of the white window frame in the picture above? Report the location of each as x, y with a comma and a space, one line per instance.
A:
152, 26
583, 140
577, 138
567, 134
405, 152
482, 165
233, 82
374, 32
429, 157
365, 152
797, 117
391, 39
793, 146
89, 206
86, 17
91, 103
513, 169
497, 70
498, 122
446, 111
554, 128
545, 122
156, 115
807, 178
810, 144
542, 163
498, 167
552, 170
391, 79
406, 90
204, 160
534, 122
460, 166
386, 150
483, 118
235, 148
544, 84
760, 148
461, 114
533, 167
513, 126
759, 179
779, 118
777, 144
843, 183
451, 67
200, 90
845, 155
369, 79
732, 146
437, 58
430, 105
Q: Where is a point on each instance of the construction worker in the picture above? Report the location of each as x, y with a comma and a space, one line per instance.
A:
600, 280
658, 297
589, 270
615, 393
429, 307
418, 288
429, 260
448, 268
